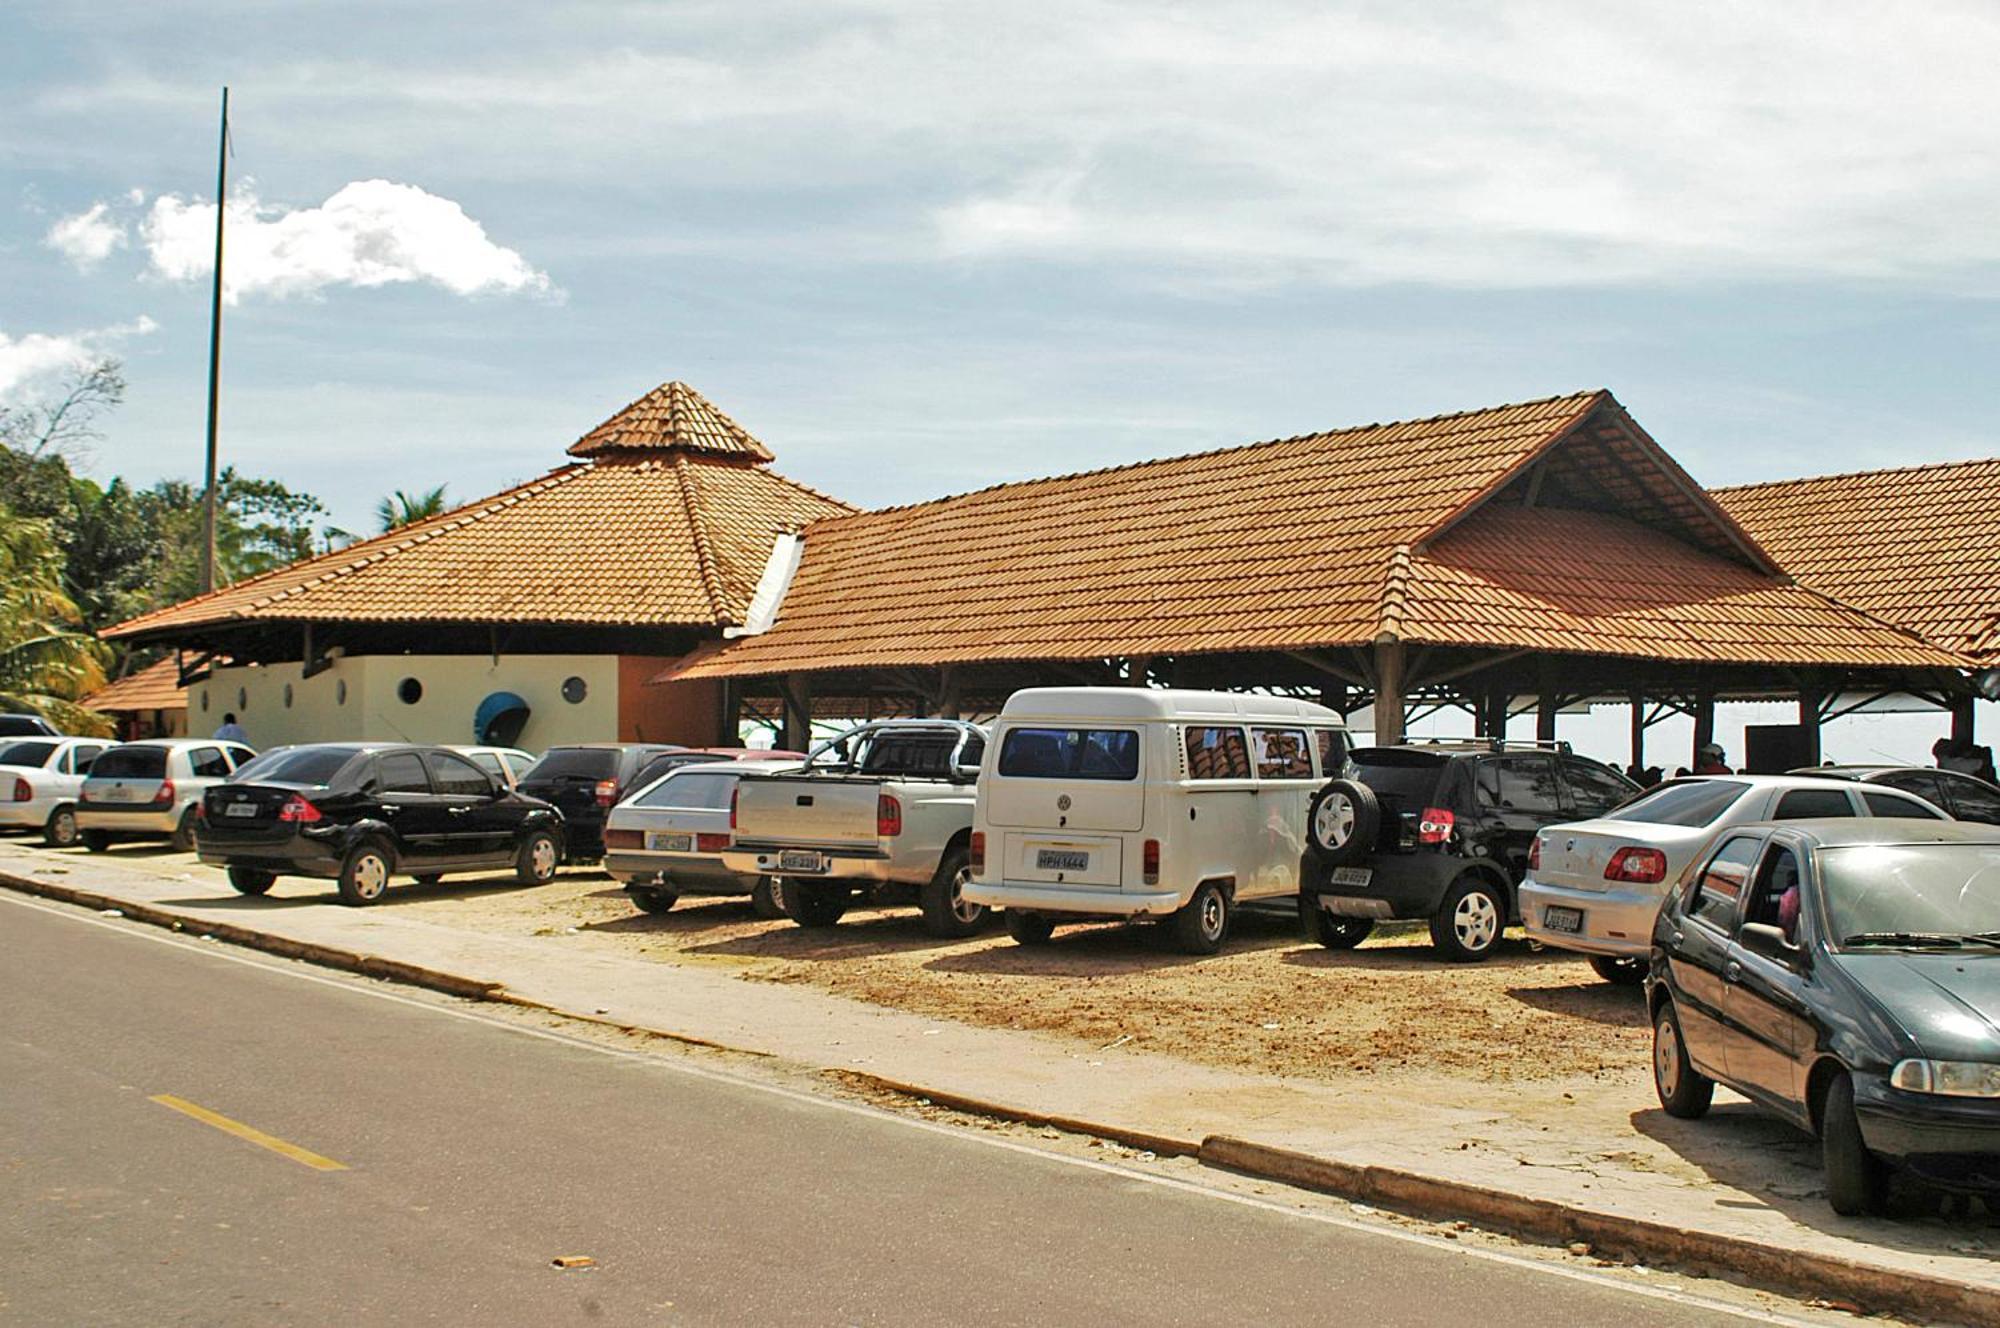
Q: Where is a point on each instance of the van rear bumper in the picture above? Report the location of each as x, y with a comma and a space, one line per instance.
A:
1101, 900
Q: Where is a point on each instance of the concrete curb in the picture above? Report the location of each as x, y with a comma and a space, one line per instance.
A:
1542, 1220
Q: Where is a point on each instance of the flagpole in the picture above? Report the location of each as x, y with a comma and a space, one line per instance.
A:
215, 353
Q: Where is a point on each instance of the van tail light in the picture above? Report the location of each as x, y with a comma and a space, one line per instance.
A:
1640, 866
298, 811
1150, 869
1434, 826
164, 797
888, 817
709, 843
607, 792
1535, 854
735, 791
977, 859
23, 790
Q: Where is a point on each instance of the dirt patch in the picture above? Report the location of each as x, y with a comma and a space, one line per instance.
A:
1272, 1002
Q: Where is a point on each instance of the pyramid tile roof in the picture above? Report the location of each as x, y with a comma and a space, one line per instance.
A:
1919, 546
674, 536
1322, 540
155, 687
671, 417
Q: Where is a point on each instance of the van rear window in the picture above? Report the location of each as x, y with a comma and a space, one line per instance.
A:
1070, 754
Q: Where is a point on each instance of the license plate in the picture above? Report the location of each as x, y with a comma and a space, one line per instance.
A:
1563, 919
1358, 877
120, 793
240, 809
797, 860
669, 841
1055, 859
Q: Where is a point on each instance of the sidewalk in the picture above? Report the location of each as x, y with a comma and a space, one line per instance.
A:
1608, 1151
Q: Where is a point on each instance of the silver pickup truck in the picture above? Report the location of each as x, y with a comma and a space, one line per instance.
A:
881, 813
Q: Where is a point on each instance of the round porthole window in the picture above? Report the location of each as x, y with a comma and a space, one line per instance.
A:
409, 691
242, 698
340, 692
574, 689
204, 699
288, 696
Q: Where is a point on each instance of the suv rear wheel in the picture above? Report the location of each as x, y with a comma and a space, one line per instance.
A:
1469, 921
1343, 821
1330, 929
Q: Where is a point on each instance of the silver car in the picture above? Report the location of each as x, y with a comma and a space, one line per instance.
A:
667, 839
152, 789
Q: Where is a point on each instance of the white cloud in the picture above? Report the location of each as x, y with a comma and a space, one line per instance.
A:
28, 360
369, 233
87, 238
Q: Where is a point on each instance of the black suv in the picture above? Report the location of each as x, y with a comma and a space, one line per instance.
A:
361, 812
585, 782
1441, 831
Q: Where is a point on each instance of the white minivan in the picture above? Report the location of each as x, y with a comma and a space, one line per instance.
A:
1126, 802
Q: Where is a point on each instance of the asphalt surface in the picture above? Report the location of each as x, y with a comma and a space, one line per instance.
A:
472, 1153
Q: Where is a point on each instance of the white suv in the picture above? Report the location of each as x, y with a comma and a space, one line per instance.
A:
39, 781
152, 789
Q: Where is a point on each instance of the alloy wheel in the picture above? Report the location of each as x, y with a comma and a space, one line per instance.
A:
1334, 822
1476, 921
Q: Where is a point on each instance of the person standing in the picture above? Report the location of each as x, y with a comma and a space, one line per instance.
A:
1709, 759
231, 731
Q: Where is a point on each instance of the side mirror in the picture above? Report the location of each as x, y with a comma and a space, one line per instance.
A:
1760, 938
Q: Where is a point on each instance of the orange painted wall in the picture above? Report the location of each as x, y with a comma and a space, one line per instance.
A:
684, 712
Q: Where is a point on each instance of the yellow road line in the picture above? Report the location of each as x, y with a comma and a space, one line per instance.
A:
303, 1156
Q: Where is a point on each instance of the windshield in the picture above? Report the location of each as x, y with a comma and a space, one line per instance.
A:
303, 767
591, 763
26, 753
131, 763
1693, 804
1883, 890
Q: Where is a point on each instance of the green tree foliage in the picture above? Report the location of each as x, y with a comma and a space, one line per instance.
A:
400, 509
46, 665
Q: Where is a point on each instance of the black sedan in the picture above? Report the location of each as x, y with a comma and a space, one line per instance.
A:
1845, 975
1966, 797
359, 813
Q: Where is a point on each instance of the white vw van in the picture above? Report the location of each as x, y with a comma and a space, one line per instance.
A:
1123, 802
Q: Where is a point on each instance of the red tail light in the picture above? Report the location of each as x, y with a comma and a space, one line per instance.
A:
1150, 868
624, 839
164, 797
1434, 826
607, 792
710, 843
888, 817
734, 790
978, 859
23, 790
297, 811
1535, 854
1640, 866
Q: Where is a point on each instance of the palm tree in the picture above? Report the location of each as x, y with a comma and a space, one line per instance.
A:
400, 509
46, 666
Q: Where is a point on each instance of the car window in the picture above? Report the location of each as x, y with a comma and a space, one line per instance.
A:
239, 755
690, 790
1920, 782
891, 752
30, 754
306, 767
1690, 803
1052, 753
1720, 886
1214, 752
459, 778
401, 772
1810, 804
1520, 784
1333, 748
1410, 777
1880, 802
1777, 878
575, 763
84, 755
1596, 789
489, 762
1973, 800
208, 763
131, 763
1282, 753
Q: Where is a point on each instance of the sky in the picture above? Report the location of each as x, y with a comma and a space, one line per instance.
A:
923, 247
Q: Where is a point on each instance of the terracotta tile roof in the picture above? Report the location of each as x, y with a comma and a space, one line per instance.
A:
1300, 543
1918, 546
629, 539
671, 417
155, 687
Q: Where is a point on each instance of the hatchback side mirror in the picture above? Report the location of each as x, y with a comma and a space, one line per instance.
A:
1760, 938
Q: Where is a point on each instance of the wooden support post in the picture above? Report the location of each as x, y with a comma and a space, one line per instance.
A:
1704, 721
948, 693
1545, 701
1962, 710
797, 735
1136, 669
1638, 729
729, 716
1811, 699
1494, 703
1388, 693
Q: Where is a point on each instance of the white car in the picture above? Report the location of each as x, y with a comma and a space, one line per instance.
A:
39, 781
505, 764
667, 839
1129, 802
152, 789
1596, 886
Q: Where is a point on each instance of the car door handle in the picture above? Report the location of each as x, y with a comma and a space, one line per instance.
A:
1677, 938
1732, 972
458, 811
390, 808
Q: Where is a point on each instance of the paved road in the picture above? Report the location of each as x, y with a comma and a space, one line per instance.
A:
476, 1152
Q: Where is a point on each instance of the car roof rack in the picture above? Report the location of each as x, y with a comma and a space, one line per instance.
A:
1475, 744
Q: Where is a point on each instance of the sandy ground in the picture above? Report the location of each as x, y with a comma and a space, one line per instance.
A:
1272, 1002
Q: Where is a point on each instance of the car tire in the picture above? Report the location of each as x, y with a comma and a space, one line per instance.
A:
1684, 1091
767, 898
652, 899
1467, 926
182, 839
1342, 822
251, 880
1332, 930
947, 913
1619, 972
364, 874
1857, 1182
535, 862
97, 841
1029, 928
430, 878
60, 831
814, 903
1202, 924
